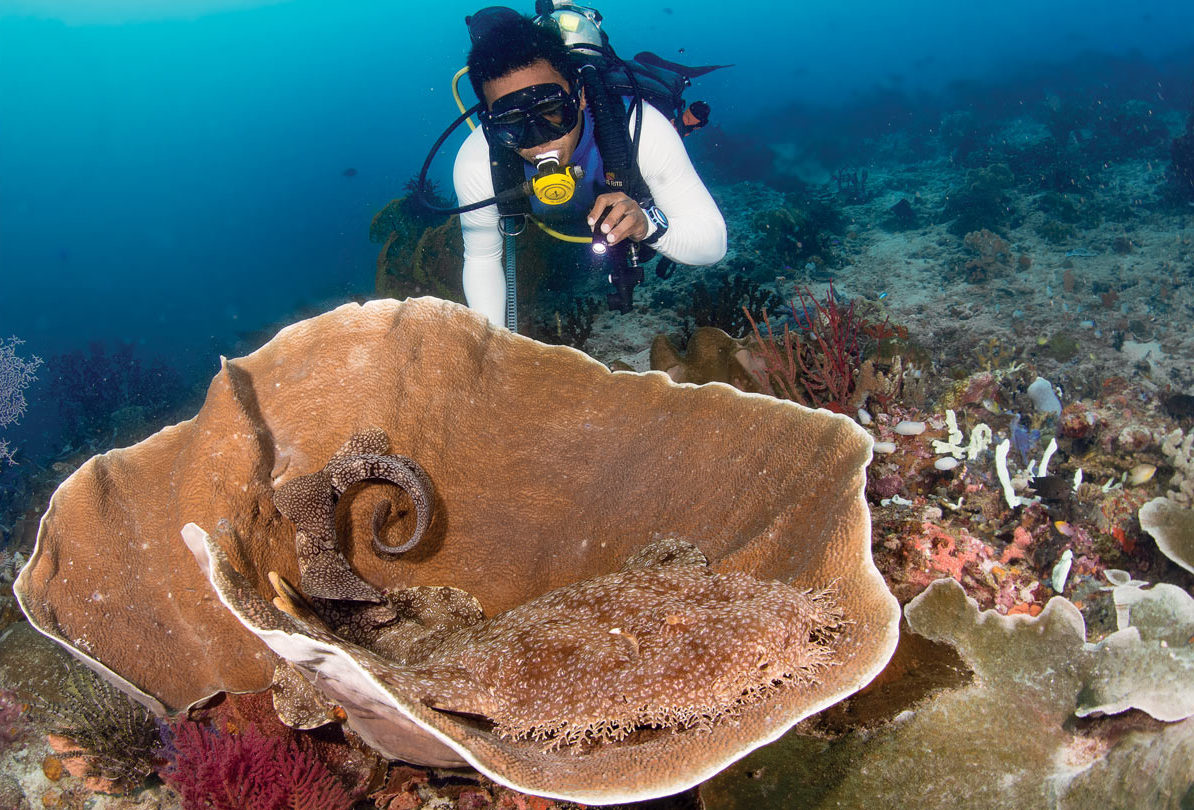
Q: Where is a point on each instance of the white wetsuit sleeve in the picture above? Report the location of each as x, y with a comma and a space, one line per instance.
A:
696, 233
484, 275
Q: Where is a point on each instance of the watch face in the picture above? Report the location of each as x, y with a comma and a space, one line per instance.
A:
656, 216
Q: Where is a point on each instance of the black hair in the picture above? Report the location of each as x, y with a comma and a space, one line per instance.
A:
516, 42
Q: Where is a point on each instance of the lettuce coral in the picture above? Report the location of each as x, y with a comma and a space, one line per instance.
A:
1031, 727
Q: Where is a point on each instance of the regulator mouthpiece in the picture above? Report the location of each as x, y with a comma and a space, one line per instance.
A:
554, 184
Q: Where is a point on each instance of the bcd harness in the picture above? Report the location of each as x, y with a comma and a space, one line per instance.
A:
605, 80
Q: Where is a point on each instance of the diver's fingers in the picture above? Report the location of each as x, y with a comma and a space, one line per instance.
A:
619, 218
631, 224
603, 205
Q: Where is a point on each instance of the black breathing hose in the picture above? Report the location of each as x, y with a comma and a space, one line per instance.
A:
421, 190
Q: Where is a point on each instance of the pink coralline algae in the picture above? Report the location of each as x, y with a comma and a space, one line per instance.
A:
998, 579
248, 771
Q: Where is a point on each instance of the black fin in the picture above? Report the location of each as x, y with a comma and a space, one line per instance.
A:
654, 60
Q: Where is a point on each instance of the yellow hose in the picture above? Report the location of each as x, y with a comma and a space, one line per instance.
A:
563, 237
456, 95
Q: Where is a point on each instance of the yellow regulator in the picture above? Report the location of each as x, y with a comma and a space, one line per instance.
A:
554, 184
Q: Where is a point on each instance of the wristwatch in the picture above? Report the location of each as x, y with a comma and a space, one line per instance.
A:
654, 215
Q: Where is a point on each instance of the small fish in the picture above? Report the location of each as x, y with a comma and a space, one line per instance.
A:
349, 172
1081, 253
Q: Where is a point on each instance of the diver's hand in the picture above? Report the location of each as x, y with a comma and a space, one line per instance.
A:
623, 218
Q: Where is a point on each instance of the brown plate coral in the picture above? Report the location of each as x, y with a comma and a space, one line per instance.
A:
549, 473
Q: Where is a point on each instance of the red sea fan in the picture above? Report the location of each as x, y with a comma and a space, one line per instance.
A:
248, 771
821, 366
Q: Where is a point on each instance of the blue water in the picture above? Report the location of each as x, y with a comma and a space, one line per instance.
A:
171, 173
174, 174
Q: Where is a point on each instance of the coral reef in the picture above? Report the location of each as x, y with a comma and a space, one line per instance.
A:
982, 201
725, 305
820, 365
428, 263
1010, 733
100, 734
556, 429
902, 216
14, 721
1032, 234
572, 327
248, 771
408, 788
990, 256
804, 235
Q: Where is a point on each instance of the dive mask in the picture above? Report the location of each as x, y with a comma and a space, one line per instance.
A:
531, 116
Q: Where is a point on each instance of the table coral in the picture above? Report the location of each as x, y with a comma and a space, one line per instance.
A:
548, 470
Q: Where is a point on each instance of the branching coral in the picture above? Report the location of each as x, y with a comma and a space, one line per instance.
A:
15, 375
248, 771
821, 367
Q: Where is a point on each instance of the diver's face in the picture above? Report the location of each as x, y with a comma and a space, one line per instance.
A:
540, 72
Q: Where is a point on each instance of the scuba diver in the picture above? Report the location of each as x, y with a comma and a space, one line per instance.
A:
546, 123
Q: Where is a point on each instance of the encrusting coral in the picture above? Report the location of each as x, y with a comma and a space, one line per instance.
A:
549, 470
1039, 722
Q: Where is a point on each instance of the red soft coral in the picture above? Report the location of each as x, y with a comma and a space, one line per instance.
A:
248, 771
821, 367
